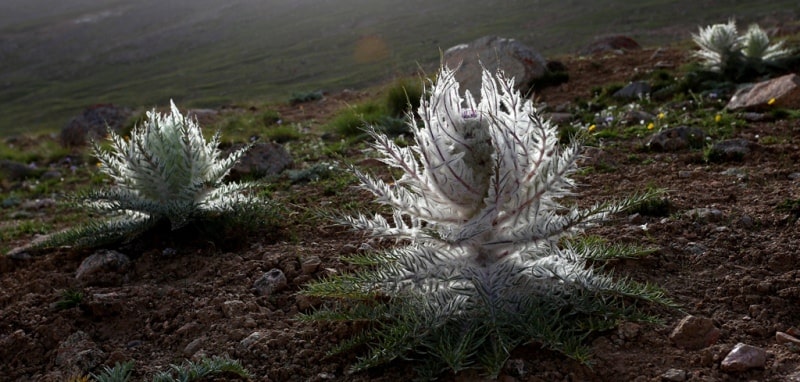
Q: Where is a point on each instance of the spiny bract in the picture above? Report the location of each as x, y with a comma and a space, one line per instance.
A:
479, 207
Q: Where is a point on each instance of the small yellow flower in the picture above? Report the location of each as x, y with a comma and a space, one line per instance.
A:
661, 115
771, 101
592, 128
651, 126
717, 118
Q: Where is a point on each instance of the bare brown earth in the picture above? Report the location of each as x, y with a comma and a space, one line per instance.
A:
741, 269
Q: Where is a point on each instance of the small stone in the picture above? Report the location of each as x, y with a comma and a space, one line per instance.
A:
729, 150
786, 338
794, 176
746, 222
193, 347
634, 90
105, 304
311, 264
674, 375
51, 174
272, 281
560, 118
250, 341
705, 214
677, 138
515, 367
635, 219
349, 249
744, 357
233, 308
38, 204
694, 333
79, 354
104, 267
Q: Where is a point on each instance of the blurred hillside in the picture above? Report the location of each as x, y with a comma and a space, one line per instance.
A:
58, 57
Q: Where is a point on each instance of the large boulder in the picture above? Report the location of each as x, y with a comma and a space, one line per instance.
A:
605, 44
263, 159
94, 123
783, 91
514, 58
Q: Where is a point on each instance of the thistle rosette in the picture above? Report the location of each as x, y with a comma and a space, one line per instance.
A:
165, 172
718, 44
479, 206
723, 50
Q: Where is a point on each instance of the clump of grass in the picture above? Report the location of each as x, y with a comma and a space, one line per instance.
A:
70, 298
403, 96
121, 372
354, 120
205, 368
303, 97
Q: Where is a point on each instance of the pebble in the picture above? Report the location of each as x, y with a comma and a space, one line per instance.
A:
310, 265
104, 267
271, 282
785, 338
694, 333
705, 214
674, 375
193, 347
744, 357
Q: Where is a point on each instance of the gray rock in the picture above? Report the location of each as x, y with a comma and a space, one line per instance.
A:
744, 357
38, 204
248, 343
15, 171
616, 44
102, 305
494, 53
263, 159
694, 333
272, 281
94, 123
786, 338
79, 354
560, 118
677, 138
782, 92
104, 267
633, 90
729, 150
705, 214
51, 174
674, 375
310, 265
193, 347
233, 308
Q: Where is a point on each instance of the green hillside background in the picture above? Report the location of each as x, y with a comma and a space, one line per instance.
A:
57, 57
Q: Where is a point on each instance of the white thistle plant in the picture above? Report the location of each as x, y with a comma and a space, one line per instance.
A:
165, 171
722, 50
488, 262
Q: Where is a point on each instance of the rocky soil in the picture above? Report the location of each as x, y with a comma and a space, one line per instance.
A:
725, 252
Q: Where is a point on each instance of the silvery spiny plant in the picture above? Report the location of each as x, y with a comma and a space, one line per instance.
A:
722, 50
165, 172
491, 259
